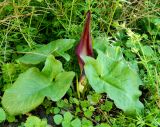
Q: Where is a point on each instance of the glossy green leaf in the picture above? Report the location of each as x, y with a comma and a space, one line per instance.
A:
66, 124
60, 86
68, 116
56, 110
58, 119
147, 51
76, 122
86, 122
102, 44
107, 106
32, 86
94, 99
34, 121
11, 118
117, 79
64, 55
2, 115
88, 114
57, 48
52, 67
25, 94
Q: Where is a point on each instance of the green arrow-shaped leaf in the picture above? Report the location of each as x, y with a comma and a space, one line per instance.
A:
32, 86
60, 86
52, 67
117, 79
25, 94
57, 48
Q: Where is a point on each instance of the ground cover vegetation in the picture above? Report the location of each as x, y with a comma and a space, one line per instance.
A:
111, 79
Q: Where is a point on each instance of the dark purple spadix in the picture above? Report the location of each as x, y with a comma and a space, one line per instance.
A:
84, 47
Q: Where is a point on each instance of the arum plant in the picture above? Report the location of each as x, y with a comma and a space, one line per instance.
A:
84, 48
109, 73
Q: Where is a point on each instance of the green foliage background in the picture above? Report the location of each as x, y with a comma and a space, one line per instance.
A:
131, 24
